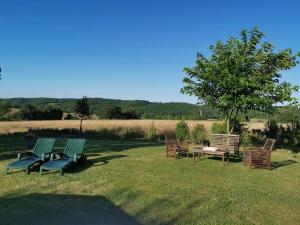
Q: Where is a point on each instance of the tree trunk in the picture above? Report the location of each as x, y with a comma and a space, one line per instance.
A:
228, 125
80, 129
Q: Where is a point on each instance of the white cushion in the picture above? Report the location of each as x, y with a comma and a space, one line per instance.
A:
212, 149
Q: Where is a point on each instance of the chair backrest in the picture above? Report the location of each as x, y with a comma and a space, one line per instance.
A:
269, 144
218, 140
171, 139
74, 147
43, 146
225, 141
233, 142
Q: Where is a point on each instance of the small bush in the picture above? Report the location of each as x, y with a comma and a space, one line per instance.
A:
198, 134
151, 134
182, 130
131, 134
271, 129
69, 116
219, 128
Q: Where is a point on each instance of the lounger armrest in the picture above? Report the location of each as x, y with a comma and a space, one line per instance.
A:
19, 156
75, 158
43, 157
51, 157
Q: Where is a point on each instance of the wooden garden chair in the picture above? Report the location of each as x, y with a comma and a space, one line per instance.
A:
233, 145
174, 147
257, 157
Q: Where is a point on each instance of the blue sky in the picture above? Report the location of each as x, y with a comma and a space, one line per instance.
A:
125, 49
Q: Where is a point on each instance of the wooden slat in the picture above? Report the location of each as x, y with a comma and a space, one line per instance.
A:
260, 157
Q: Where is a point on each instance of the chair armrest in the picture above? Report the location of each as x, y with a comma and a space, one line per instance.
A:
51, 157
19, 156
43, 157
77, 157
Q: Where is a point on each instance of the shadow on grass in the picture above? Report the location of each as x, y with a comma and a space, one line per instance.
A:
115, 146
98, 161
278, 164
219, 158
49, 209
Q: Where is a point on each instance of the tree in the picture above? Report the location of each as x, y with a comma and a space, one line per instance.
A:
82, 110
290, 115
106, 111
4, 108
242, 74
28, 112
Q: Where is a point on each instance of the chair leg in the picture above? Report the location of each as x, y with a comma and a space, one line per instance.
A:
61, 172
6, 170
27, 170
41, 170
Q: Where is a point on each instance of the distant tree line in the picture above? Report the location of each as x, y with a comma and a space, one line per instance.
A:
50, 109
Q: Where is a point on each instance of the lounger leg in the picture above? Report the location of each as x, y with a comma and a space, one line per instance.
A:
41, 170
6, 170
27, 170
61, 172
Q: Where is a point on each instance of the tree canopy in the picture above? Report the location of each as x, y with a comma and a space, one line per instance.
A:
241, 74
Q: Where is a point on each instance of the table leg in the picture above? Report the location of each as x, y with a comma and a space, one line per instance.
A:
227, 158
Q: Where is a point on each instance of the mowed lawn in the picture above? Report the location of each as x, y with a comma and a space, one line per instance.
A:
134, 183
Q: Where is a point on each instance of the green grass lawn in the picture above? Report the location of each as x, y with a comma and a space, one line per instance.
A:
134, 183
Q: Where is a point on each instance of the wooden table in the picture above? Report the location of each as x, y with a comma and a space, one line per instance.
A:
197, 150
222, 153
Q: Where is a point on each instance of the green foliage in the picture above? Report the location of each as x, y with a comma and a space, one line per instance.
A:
152, 134
290, 115
241, 75
82, 110
130, 115
105, 111
4, 108
219, 128
29, 112
198, 134
182, 130
271, 129
143, 109
110, 111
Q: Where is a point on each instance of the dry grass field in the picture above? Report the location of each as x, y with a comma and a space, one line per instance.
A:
161, 125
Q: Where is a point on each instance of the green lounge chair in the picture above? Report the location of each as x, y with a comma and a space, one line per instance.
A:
73, 152
40, 153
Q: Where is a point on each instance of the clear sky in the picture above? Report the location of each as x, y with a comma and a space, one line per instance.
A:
125, 49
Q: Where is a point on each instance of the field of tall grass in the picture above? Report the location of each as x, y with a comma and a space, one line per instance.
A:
96, 125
